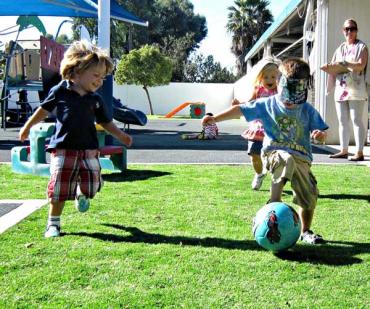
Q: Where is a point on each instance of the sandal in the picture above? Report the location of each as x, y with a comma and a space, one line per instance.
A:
357, 158
339, 156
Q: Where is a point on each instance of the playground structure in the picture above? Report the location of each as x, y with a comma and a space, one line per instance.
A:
37, 70
32, 159
197, 109
33, 66
128, 115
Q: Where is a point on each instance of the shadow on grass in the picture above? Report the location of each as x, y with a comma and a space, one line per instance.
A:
133, 175
139, 236
335, 253
346, 197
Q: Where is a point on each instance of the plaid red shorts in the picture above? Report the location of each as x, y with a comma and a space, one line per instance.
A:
69, 168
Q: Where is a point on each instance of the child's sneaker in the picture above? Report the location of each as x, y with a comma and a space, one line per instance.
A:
82, 204
257, 181
52, 231
311, 238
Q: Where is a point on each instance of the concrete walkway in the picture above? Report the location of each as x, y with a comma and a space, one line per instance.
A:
160, 142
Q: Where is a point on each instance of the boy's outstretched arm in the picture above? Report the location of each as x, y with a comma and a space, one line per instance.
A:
231, 113
38, 116
117, 133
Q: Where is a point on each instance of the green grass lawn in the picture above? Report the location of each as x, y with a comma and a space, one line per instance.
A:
179, 236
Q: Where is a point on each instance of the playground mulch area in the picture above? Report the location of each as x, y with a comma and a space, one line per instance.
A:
170, 236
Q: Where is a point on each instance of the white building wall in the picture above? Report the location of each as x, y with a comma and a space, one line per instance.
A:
164, 98
240, 92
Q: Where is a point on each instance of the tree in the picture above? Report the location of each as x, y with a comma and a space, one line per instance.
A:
202, 69
61, 39
2, 64
173, 27
146, 66
247, 21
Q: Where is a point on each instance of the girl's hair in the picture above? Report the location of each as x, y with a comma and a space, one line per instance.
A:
80, 56
268, 67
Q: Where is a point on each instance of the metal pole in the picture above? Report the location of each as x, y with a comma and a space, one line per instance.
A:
106, 91
104, 24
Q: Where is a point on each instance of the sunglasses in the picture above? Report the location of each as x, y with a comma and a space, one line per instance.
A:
348, 29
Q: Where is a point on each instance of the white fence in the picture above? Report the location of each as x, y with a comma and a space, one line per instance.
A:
165, 98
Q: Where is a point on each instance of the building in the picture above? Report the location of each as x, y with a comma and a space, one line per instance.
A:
312, 29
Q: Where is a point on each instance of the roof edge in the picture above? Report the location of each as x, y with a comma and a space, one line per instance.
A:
287, 11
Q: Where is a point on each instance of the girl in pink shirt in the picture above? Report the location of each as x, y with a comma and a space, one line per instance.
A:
264, 85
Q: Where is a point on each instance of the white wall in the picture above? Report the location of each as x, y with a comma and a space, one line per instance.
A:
164, 98
240, 92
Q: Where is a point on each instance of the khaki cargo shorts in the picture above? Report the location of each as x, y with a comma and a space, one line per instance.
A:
283, 165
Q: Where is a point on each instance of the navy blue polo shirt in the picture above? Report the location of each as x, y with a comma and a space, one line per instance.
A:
75, 117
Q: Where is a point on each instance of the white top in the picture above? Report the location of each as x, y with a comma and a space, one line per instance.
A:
351, 85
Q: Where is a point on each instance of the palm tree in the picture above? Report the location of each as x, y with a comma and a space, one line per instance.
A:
248, 20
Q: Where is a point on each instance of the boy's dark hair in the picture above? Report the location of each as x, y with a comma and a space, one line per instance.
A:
295, 68
209, 114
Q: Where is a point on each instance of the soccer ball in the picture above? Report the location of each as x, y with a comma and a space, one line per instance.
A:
276, 226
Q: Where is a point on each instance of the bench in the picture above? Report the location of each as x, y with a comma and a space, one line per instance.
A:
32, 159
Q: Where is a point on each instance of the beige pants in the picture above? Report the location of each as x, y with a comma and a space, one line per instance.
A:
285, 166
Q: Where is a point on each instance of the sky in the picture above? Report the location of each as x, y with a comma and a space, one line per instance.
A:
217, 42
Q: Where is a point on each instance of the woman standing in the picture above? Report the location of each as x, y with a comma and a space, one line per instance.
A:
351, 98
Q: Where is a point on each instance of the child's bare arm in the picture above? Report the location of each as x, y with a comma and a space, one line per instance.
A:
117, 133
231, 113
38, 116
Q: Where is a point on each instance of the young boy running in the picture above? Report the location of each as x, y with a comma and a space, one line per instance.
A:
289, 122
74, 161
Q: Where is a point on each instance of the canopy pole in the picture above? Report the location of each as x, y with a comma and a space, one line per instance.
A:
104, 42
104, 24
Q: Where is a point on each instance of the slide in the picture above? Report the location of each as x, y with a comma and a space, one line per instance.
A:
128, 115
177, 109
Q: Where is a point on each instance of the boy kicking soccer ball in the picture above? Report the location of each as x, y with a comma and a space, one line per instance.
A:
289, 123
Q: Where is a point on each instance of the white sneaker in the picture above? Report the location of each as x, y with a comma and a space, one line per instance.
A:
257, 181
312, 238
52, 231
82, 204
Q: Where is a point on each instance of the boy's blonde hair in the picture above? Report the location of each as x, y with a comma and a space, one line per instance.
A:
80, 56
